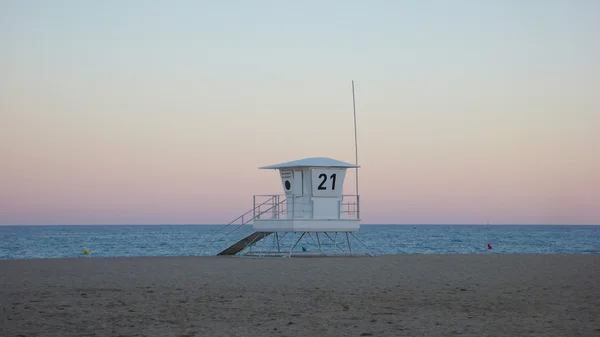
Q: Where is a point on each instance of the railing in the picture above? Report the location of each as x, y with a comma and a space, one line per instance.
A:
277, 207
351, 205
269, 206
266, 204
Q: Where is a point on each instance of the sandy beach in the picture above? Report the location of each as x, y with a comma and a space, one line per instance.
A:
408, 295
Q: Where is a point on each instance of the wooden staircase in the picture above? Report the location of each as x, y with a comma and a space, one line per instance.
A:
266, 207
245, 242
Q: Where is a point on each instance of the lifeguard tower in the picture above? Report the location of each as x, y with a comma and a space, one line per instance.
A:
313, 207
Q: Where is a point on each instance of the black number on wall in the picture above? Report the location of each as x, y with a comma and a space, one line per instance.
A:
324, 177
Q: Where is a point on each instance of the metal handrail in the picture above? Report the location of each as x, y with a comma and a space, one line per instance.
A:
240, 217
255, 216
348, 209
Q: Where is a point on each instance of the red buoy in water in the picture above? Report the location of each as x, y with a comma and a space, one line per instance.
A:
489, 246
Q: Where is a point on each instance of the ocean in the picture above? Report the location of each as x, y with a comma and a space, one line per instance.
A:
31, 242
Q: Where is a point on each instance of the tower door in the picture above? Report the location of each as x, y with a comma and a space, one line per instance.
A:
297, 185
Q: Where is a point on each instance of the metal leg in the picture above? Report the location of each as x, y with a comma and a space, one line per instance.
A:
277, 238
357, 239
335, 243
348, 239
322, 252
294, 246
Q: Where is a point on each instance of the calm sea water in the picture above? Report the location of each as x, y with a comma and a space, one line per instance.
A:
26, 242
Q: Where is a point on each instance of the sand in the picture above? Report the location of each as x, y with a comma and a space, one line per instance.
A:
405, 295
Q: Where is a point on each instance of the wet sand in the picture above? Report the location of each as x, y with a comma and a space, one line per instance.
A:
401, 295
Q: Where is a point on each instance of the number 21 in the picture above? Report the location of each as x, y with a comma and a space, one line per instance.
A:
324, 177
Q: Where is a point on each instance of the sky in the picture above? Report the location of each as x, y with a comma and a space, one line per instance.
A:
161, 112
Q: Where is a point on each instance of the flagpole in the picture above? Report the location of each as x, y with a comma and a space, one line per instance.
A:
355, 137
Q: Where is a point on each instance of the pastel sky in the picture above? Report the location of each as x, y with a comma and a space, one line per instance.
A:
160, 112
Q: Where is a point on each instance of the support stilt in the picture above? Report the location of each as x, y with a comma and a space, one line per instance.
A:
348, 239
335, 243
294, 246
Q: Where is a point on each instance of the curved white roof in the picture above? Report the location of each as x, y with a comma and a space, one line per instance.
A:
311, 162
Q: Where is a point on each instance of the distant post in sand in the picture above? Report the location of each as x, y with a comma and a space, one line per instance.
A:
313, 207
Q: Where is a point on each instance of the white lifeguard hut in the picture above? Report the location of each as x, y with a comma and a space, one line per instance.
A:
313, 203
314, 199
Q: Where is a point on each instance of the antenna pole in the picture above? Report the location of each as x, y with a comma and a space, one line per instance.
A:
355, 138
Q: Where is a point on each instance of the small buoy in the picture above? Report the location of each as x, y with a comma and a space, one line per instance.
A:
86, 251
489, 246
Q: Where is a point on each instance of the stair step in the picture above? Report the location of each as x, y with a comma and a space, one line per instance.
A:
243, 243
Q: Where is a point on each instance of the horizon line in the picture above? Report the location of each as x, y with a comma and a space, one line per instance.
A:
370, 224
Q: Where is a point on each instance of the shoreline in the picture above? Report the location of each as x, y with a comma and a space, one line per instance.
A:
316, 256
